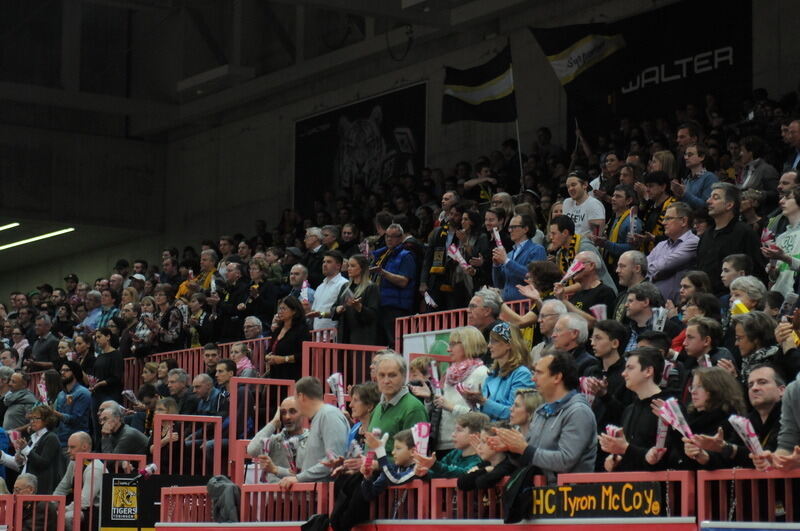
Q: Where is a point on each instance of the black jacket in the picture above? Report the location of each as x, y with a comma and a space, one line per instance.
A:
640, 427
47, 463
313, 261
481, 479
715, 245
230, 319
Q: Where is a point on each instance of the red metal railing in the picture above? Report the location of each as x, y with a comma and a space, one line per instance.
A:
185, 504
429, 322
323, 359
192, 444
448, 501
410, 502
268, 503
38, 517
747, 495
262, 398
115, 461
678, 489
7, 510
191, 359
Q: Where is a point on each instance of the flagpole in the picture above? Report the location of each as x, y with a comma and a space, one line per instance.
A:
516, 124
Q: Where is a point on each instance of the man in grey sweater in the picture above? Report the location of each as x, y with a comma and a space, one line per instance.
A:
328, 433
562, 434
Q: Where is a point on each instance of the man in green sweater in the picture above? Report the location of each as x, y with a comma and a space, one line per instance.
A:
463, 457
398, 409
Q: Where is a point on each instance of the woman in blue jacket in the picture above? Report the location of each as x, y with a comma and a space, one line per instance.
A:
509, 372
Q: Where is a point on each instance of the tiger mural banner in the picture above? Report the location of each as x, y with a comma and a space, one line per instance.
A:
358, 146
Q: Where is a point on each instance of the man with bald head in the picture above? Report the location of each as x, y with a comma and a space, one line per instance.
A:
593, 291
286, 424
78, 443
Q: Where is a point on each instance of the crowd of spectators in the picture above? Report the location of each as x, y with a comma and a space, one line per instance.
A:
660, 261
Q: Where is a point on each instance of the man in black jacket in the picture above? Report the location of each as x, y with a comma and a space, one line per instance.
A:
230, 318
314, 254
728, 236
627, 450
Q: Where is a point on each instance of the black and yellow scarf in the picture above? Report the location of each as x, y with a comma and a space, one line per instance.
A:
564, 257
439, 251
658, 229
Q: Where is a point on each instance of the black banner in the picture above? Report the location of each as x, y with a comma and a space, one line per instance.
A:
365, 142
655, 61
597, 500
136, 503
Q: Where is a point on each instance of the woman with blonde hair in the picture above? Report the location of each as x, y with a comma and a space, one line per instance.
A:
129, 295
465, 374
664, 161
525, 403
509, 372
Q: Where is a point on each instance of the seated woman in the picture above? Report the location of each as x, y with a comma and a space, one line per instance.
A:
465, 373
716, 395
755, 339
525, 403
508, 373
38, 452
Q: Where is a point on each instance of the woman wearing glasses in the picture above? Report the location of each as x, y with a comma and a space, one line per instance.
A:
40, 452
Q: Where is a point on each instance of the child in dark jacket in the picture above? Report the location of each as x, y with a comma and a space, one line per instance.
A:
373, 484
463, 457
494, 465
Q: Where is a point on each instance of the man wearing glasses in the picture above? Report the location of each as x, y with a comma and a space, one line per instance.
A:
73, 403
509, 269
670, 259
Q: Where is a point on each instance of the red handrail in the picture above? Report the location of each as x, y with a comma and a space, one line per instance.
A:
756, 494
185, 504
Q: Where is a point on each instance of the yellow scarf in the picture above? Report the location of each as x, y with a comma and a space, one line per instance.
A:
613, 237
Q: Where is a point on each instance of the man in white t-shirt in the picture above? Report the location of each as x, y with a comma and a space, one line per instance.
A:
586, 211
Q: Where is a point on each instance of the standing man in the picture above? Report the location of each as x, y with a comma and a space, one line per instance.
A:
44, 351
73, 405
328, 291
616, 240
509, 269
671, 258
728, 236
657, 184
395, 270
313, 257
236, 293
696, 186
297, 275
588, 213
